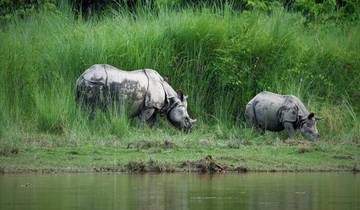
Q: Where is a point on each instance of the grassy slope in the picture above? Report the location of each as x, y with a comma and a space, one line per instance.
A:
219, 58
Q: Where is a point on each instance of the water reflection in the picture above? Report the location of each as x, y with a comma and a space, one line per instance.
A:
181, 191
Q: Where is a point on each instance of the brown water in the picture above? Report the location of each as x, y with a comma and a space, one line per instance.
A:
340, 191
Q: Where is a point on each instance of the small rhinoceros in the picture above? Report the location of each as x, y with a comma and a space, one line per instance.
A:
144, 93
274, 112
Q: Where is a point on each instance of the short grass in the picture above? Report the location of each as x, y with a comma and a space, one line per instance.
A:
157, 150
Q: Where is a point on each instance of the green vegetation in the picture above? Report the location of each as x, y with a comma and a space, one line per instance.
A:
161, 151
219, 56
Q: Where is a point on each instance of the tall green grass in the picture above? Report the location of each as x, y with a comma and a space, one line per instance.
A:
219, 57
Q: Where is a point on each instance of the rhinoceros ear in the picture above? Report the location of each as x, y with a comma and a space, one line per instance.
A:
311, 115
181, 95
167, 79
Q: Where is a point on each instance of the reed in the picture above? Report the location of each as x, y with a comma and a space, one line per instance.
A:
219, 57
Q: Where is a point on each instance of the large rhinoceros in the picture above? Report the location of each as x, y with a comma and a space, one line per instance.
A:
144, 93
274, 112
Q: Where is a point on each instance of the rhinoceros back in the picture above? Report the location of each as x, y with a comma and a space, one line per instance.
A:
269, 111
104, 84
262, 111
90, 85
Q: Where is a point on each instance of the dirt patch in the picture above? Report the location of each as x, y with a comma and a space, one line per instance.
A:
344, 156
144, 144
241, 169
304, 149
159, 167
212, 165
169, 145
73, 152
296, 142
206, 143
205, 165
229, 158
238, 143
109, 169
233, 145
136, 166
8, 151
150, 166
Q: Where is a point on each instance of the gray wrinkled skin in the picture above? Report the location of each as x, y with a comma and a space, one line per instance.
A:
143, 93
274, 112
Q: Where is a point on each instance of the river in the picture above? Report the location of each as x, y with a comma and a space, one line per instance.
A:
181, 191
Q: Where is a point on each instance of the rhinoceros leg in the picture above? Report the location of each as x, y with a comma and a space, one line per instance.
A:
290, 129
145, 115
251, 119
152, 120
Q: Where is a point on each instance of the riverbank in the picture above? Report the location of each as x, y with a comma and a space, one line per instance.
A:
219, 57
179, 153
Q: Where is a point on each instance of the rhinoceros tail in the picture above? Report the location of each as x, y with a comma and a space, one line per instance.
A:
254, 112
78, 90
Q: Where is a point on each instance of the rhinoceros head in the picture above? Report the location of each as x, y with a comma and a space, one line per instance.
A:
178, 115
308, 127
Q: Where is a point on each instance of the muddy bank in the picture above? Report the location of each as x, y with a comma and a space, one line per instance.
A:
208, 164
169, 156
